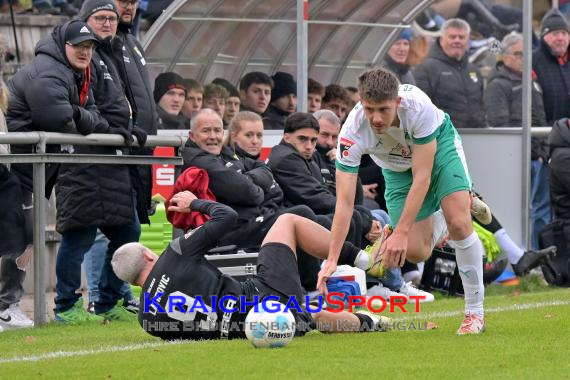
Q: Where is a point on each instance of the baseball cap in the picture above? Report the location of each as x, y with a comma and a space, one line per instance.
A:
78, 32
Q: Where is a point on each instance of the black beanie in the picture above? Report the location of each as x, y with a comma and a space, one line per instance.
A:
232, 90
165, 82
91, 6
284, 85
553, 20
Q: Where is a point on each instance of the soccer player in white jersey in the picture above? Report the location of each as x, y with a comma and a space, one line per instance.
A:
427, 183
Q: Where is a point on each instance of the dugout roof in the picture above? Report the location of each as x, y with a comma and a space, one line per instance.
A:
337, 39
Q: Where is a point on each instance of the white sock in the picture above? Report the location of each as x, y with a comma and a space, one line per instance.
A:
469, 256
513, 251
361, 260
439, 227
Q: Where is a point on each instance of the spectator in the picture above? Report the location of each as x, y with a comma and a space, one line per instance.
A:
550, 62
503, 103
233, 101
245, 135
354, 96
215, 97
13, 246
316, 91
559, 141
325, 153
52, 94
397, 58
194, 98
283, 101
82, 208
255, 92
448, 78
170, 95
130, 59
300, 178
337, 100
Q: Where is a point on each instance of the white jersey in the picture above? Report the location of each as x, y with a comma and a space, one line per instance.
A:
419, 119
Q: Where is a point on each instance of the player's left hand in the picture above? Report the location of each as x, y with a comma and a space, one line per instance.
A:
395, 248
181, 201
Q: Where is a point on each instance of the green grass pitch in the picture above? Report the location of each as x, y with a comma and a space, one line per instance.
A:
528, 337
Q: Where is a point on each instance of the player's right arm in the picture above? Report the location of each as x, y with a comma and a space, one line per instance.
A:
199, 241
345, 191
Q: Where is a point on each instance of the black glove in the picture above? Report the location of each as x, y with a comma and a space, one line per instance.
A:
140, 134
123, 132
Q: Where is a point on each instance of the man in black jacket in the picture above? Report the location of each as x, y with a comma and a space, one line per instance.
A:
170, 94
50, 94
131, 62
559, 141
550, 63
446, 76
91, 196
503, 102
283, 101
300, 177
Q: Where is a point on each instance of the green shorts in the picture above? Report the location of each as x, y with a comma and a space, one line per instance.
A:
449, 175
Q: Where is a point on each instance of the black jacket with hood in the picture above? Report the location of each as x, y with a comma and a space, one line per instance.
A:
559, 141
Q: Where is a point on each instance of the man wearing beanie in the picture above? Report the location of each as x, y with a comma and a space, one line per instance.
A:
397, 58
96, 197
169, 95
283, 101
550, 63
233, 101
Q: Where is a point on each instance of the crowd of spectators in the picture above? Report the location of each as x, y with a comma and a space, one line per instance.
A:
89, 75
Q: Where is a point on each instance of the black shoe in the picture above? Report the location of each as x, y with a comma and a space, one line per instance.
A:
91, 307
45, 9
132, 305
532, 259
69, 10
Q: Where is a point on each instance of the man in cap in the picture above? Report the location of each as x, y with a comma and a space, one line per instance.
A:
283, 101
52, 93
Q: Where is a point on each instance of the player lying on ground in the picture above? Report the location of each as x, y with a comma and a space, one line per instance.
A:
423, 163
182, 270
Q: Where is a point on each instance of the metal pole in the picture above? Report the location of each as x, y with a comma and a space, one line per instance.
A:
40, 312
14, 31
302, 54
526, 120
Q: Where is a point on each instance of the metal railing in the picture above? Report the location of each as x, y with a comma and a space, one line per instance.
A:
41, 158
39, 161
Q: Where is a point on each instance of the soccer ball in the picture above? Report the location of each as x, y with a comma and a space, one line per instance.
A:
271, 326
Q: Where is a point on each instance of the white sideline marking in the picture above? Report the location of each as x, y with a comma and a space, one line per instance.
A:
524, 306
442, 314
68, 354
